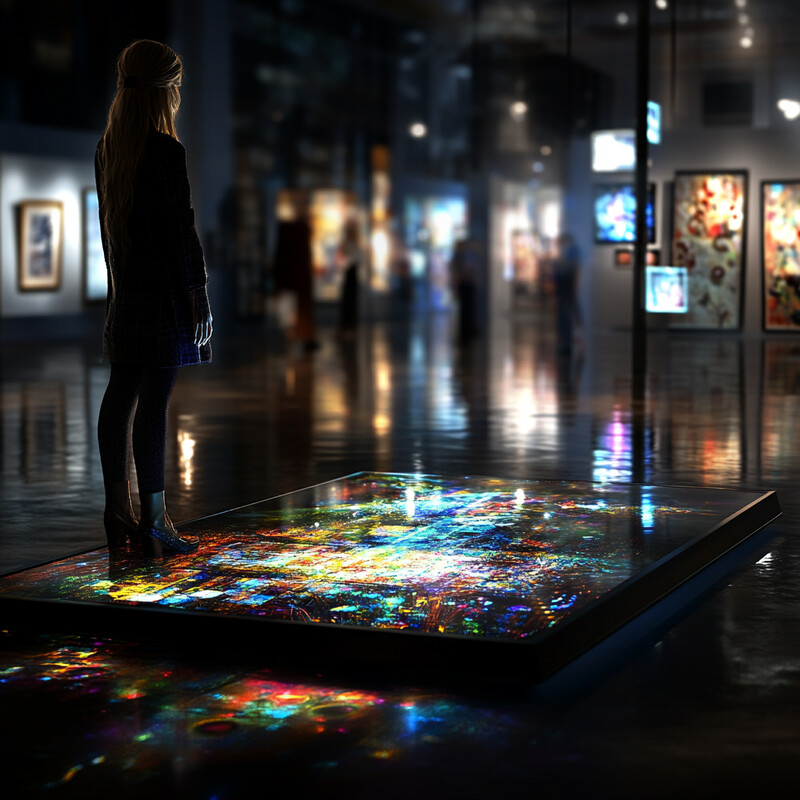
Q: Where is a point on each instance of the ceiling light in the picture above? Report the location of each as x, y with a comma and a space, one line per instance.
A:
418, 130
746, 41
740, 3
744, 19
622, 18
518, 110
546, 150
790, 108
662, 4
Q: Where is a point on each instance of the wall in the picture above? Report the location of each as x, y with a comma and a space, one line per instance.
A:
766, 153
25, 177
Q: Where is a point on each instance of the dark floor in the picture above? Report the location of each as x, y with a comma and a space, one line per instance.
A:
706, 703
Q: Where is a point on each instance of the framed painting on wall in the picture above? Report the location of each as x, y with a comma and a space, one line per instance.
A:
40, 243
95, 277
708, 239
780, 227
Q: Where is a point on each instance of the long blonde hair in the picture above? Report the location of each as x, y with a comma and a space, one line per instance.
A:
148, 97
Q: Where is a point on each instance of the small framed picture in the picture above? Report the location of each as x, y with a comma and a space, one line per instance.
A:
623, 257
40, 242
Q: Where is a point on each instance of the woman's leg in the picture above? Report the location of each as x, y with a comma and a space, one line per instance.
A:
114, 421
113, 438
150, 427
158, 534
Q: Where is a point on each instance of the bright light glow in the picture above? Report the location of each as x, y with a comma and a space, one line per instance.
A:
519, 497
614, 150
381, 424
740, 3
518, 110
622, 18
551, 219
418, 130
186, 446
790, 108
546, 150
746, 41
411, 508
662, 4
765, 559
380, 249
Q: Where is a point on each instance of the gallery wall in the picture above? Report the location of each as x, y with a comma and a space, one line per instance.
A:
765, 153
24, 178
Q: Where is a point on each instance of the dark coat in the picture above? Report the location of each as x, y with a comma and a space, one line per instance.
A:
153, 286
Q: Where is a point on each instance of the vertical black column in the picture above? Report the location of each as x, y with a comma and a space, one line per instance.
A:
639, 343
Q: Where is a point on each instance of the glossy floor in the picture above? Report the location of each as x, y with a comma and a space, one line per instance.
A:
708, 701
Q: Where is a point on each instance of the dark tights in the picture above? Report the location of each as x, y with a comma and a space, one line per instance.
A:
152, 388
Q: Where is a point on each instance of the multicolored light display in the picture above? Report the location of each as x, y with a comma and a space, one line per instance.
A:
471, 557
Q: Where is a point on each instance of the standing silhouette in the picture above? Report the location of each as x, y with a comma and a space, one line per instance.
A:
566, 271
157, 311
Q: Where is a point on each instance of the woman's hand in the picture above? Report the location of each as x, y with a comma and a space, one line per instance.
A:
202, 321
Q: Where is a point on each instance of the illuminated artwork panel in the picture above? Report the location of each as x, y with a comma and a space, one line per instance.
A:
615, 213
95, 277
473, 557
708, 239
781, 255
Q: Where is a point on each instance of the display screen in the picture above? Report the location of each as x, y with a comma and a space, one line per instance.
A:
614, 151
653, 122
667, 290
474, 557
615, 213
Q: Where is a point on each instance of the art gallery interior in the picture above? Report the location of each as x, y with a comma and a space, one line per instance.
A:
456, 536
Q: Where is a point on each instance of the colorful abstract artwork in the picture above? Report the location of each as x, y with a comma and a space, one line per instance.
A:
781, 254
472, 557
708, 239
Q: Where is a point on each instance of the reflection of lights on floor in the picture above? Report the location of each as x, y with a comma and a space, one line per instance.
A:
186, 447
381, 423
765, 561
612, 459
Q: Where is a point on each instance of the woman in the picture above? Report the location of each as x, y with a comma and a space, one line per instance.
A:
157, 312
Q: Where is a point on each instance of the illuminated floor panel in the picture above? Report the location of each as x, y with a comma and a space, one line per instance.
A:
420, 564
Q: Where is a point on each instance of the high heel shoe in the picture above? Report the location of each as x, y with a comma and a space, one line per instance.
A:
120, 524
157, 534
120, 530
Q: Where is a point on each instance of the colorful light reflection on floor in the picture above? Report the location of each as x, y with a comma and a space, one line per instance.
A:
119, 715
474, 556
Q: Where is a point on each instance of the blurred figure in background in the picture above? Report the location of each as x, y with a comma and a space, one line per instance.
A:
294, 274
463, 271
401, 272
566, 267
351, 255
